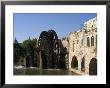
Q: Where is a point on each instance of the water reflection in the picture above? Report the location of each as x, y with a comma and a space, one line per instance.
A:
37, 71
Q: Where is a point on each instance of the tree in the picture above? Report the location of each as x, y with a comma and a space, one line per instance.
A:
16, 52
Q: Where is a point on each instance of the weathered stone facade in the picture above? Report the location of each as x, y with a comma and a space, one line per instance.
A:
82, 48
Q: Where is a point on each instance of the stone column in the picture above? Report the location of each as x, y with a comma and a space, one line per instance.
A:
79, 64
69, 61
87, 67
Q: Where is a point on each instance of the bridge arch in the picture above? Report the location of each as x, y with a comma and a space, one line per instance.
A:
74, 62
93, 67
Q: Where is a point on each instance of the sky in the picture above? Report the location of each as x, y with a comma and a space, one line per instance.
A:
32, 24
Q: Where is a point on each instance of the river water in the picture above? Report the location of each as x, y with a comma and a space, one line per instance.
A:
37, 71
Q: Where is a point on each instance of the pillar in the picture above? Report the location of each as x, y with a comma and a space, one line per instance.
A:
87, 67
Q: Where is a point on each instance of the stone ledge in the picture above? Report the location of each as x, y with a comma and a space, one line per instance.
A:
78, 72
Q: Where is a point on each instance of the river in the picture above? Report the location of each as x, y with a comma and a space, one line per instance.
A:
37, 71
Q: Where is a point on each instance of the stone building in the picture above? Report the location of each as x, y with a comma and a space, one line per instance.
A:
82, 48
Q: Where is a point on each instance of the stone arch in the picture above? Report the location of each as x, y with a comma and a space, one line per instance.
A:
93, 67
83, 64
74, 62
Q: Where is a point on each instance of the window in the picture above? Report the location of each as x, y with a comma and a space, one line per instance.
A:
92, 41
82, 42
88, 42
73, 46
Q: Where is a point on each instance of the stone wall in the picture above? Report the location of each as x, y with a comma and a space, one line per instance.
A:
82, 46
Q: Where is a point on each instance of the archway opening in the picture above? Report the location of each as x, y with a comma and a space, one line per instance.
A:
83, 64
74, 62
93, 67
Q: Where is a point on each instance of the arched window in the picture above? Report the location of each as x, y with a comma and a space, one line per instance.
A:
92, 41
88, 42
73, 46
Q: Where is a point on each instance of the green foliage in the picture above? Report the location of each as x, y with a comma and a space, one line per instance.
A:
25, 43
32, 42
20, 50
16, 52
21, 61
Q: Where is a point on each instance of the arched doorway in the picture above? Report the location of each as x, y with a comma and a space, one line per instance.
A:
74, 62
83, 64
93, 67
